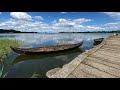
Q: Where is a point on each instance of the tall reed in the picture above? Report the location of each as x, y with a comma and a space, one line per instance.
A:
4, 51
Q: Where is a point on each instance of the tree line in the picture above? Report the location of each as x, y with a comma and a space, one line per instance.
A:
13, 31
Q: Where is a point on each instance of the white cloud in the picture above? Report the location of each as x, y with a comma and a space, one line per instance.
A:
113, 23
94, 28
112, 26
74, 25
63, 23
0, 13
24, 25
115, 15
39, 17
70, 23
81, 20
20, 15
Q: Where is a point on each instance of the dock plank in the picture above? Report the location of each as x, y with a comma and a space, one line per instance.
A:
108, 59
103, 61
110, 50
81, 74
113, 43
107, 54
71, 76
95, 72
102, 67
112, 46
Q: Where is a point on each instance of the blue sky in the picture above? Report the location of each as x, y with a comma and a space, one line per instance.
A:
60, 21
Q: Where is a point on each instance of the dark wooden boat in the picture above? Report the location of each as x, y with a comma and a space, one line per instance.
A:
98, 41
48, 49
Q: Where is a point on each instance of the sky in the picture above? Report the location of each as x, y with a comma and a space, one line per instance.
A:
60, 21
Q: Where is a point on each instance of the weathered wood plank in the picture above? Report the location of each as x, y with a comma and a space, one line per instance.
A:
52, 71
95, 72
102, 67
81, 74
110, 50
113, 39
112, 46
107, 58
106, 53
71, 76
113, 43
103, 61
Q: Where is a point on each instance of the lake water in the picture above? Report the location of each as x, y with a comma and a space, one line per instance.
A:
24, 66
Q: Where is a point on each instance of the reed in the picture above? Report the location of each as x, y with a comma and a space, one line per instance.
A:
5, 50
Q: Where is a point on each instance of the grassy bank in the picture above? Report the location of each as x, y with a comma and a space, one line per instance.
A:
5, 46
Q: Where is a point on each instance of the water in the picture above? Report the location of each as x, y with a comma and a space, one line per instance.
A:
24, 66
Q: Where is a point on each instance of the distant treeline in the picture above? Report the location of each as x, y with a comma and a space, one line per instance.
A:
117, 31
13, 31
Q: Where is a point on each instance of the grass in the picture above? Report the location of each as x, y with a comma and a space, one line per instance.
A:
5, 46
5, 50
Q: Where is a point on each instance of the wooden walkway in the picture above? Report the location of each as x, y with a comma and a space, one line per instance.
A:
103, 61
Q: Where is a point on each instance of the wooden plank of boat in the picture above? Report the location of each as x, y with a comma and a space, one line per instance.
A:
48, 49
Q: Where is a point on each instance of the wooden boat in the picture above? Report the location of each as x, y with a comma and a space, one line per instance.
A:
98, 41
48, 49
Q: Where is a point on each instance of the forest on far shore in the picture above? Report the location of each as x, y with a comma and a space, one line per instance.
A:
13, 31
16, 31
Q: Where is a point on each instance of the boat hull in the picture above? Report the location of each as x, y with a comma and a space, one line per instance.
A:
49, 49
98, 41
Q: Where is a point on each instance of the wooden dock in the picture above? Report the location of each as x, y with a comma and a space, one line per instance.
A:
103, 61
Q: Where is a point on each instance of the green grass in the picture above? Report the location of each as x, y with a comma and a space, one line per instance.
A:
4, 51
5, 46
